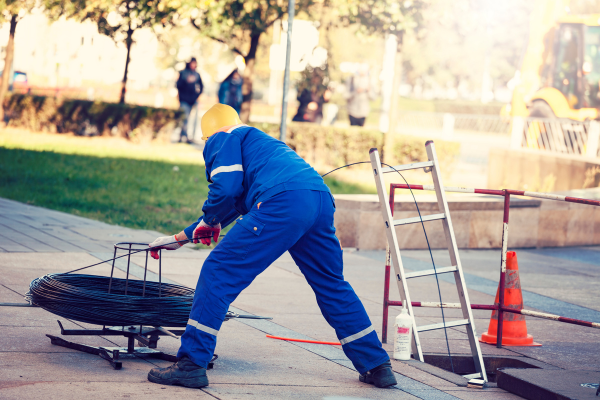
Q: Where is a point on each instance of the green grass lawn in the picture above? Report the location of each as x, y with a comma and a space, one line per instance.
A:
160, 188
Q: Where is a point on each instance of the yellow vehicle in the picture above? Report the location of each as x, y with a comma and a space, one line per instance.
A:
560, 75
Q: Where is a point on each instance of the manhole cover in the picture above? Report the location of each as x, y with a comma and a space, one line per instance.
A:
590, 385
119, 235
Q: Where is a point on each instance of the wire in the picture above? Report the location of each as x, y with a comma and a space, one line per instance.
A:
83, 327
86, 298
304, 340
428, 246
137, 251
345, 166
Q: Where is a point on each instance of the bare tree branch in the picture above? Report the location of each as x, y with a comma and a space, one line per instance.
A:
216, 39
234, 49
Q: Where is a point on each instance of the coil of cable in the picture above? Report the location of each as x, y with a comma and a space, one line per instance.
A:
85, 298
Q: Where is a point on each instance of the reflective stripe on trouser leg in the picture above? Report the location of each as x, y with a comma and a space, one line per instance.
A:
356, 336
203, 328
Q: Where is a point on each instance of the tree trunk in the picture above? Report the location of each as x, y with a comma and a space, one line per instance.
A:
388, 141
393, 113
8, 61
396, 87
248, 76
128, 43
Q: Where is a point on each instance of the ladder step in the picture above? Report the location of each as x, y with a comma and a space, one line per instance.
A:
427, 272
407, 167
425, 218
450, 324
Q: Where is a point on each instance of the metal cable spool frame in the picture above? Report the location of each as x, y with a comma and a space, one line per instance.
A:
135, 317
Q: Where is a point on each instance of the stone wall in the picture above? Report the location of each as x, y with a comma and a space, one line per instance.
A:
539, 171
477, 222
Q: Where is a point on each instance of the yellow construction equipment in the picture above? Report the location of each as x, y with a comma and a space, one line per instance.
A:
560, 74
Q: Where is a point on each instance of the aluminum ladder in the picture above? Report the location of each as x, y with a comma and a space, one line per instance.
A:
402, 277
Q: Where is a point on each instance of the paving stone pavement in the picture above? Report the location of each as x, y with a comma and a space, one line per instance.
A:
35, 241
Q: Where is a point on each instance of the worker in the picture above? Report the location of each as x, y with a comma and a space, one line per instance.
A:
284, 206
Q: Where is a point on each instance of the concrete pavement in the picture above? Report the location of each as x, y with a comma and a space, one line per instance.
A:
251, 365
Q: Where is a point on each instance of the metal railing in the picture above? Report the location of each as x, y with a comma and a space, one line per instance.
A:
556, 136
550, 135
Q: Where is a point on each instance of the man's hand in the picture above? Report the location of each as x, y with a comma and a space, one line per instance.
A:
204, 232
165, 242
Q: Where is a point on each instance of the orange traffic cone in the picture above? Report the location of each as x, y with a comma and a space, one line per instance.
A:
514, 328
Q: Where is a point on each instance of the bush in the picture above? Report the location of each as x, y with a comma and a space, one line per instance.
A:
319, 145
83, 117
335, 146
323, 145
409, 149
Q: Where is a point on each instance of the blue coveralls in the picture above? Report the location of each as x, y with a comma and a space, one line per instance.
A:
284, 206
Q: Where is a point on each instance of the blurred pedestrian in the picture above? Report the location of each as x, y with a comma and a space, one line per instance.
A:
230, 91
189, 87
359, 96
311, 102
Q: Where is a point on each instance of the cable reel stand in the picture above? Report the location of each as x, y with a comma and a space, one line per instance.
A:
147, 335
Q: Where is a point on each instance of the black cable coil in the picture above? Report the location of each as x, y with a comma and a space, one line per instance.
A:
85, 298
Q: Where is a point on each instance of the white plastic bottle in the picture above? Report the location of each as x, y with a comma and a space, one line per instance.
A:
403, 336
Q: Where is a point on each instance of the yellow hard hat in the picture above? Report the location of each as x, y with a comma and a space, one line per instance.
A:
217, 117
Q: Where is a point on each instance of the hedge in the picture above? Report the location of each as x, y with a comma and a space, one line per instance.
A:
83, 117
319, 145
335, 146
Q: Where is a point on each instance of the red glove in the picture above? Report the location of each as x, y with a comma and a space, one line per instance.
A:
204, 232
164, 242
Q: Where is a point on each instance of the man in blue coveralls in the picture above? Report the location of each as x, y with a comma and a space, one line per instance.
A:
284, 206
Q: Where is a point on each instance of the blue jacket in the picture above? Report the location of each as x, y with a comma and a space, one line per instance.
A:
231, 94
245, 166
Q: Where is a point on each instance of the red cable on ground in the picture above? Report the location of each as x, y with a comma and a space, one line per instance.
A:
304, 341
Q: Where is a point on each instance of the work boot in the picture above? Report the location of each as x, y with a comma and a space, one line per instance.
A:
381, 376
184, 373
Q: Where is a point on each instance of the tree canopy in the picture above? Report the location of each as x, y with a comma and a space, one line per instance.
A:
119, 19
240, 24
11, 11
381, 17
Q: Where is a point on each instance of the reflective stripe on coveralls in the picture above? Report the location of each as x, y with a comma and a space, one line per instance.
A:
358, 335
203, 328
301, 222
227, 168
235, 127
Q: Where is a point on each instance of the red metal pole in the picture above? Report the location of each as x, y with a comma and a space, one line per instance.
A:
386, 298
386, 283
503, 270
449, 189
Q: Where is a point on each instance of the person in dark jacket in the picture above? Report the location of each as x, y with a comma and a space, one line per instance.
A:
311, 102
230, 91
189, 87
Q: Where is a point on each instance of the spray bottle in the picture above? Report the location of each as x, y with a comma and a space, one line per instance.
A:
403, 335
